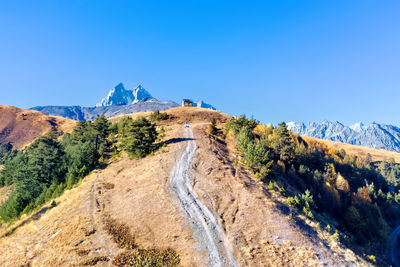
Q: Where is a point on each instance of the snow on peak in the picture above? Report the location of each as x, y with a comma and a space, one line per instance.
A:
358, 127
121, 96
140, 93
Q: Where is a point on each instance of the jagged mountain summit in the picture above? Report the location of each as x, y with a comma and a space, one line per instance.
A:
375, 135
118, 101
121, 96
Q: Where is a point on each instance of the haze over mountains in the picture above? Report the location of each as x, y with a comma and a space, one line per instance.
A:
118, 101
375, 135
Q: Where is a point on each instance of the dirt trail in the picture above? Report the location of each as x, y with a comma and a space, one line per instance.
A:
206, 228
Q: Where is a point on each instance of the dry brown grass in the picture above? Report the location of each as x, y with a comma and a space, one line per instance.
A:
21, 126
361, 151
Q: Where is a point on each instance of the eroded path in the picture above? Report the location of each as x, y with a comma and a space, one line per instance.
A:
206, 228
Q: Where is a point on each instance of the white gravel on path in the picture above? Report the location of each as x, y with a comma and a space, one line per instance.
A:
206, 228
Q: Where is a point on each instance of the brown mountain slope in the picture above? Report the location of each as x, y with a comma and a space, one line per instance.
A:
21, 126
139, 195
361, 151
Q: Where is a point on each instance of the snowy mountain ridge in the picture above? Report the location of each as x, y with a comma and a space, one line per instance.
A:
121, 96
375, 135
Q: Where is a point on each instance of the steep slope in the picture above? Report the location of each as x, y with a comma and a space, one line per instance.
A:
20, 126
375, 135
142, 194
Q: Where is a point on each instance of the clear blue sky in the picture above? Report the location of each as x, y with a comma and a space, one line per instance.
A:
277, 60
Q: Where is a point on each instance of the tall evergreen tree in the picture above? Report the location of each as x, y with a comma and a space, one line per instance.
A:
137, 136
283, 144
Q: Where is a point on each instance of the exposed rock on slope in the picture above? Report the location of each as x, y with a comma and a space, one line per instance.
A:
20, 126
375, 135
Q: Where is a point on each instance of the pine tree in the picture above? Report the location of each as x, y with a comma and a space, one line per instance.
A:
137, 136
283, 144
212, 128
244, 138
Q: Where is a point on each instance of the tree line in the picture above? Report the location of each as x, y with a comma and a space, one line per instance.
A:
53, 164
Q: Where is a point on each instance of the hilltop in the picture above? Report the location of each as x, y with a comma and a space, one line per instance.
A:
21, 126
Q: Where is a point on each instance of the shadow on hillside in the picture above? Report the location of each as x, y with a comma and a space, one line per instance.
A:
301, 224
176, 140
34, 217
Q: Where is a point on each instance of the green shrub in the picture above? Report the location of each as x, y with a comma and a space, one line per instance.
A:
290, 201
244, 138
236, 124
212, 128
283, 191
257, 157
120, 233
147, 257
371, 258
335, 236
272, 185
328, 228
157, 116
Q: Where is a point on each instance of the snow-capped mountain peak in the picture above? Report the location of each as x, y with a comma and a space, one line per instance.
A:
140, 93
121, 96
117, 96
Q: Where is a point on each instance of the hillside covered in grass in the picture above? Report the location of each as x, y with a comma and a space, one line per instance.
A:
360, 196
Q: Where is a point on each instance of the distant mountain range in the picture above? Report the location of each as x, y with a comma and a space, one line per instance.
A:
118, 101
375, 135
